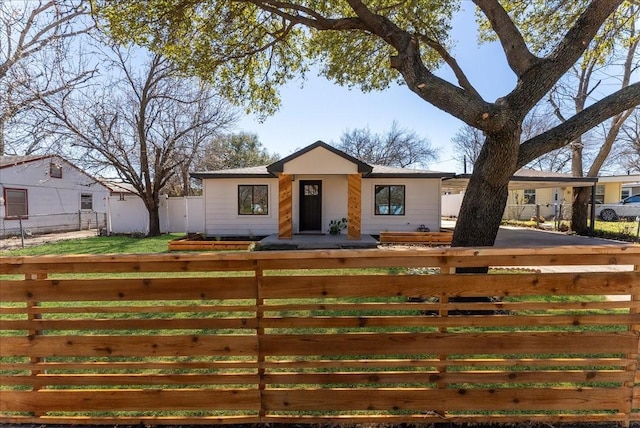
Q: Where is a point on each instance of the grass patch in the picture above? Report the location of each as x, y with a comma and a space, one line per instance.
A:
621, 230
100, 245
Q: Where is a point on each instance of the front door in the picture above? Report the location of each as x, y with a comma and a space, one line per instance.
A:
310, 205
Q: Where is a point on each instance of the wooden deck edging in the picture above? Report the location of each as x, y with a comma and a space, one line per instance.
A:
186, 244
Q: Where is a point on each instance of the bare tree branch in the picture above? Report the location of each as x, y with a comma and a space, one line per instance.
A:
561, 135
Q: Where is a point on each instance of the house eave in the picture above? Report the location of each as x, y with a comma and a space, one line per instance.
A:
205, 175
438, 175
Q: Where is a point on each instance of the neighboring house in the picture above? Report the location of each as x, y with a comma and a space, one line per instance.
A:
630, 189
305, 191
47, 193
531, 192
614, 188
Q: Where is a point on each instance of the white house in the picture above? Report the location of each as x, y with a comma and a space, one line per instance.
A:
305, 191
47, 193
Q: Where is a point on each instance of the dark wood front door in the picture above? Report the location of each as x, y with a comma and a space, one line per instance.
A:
310, 205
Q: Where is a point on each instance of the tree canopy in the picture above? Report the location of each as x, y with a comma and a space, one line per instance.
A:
250, 47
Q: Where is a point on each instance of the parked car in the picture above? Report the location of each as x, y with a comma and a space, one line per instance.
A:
626, 208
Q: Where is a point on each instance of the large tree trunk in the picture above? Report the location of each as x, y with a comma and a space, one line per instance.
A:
580, 194
486, 196
154, 222
153, 208
580, 209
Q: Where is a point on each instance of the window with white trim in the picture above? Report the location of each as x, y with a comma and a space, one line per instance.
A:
529, 196
86, 201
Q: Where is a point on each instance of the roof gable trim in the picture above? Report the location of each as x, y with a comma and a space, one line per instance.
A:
278, 167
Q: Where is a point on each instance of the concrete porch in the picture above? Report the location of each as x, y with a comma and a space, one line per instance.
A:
314, 242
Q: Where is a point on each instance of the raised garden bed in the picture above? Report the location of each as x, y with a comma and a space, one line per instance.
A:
197, 242
423, 238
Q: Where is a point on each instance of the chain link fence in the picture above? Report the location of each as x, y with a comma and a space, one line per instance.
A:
31, 225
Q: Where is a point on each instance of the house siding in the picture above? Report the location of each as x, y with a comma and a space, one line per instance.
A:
320, 161
53, 203
221, 208
422, 206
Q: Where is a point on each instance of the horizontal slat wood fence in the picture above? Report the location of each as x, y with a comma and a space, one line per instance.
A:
314, 337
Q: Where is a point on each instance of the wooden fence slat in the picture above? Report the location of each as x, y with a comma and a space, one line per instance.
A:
133, 379
408, 363
130, 324
444, 343
450, 258
400, 322
78, 290
282, 287
430, 377
540, 305
128, 346
48, 400
451, 399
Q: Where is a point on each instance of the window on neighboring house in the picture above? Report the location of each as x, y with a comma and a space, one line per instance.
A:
15, 201
389, 200
86, 201
599, 194
625, 193
55, 170
253, 199
529, 196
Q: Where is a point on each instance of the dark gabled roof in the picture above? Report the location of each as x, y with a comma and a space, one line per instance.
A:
383, 171
279, 165
253, 172
368, 171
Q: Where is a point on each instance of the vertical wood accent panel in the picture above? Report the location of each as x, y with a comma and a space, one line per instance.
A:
354, 206
285, 206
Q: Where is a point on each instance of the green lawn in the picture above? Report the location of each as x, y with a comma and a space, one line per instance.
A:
623, 230
99, 245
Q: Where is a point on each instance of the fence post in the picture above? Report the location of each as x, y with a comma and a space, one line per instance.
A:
442, 369
259, 274
21, 232
32, 315
632, 368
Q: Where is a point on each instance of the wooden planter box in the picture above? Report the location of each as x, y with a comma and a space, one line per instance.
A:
424, 238
198, 243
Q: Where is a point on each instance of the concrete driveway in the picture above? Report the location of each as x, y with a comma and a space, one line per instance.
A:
509, 236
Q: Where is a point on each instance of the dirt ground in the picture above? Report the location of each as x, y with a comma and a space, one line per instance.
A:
31, 241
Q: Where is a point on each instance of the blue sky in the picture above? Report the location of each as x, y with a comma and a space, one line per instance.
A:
322, 110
